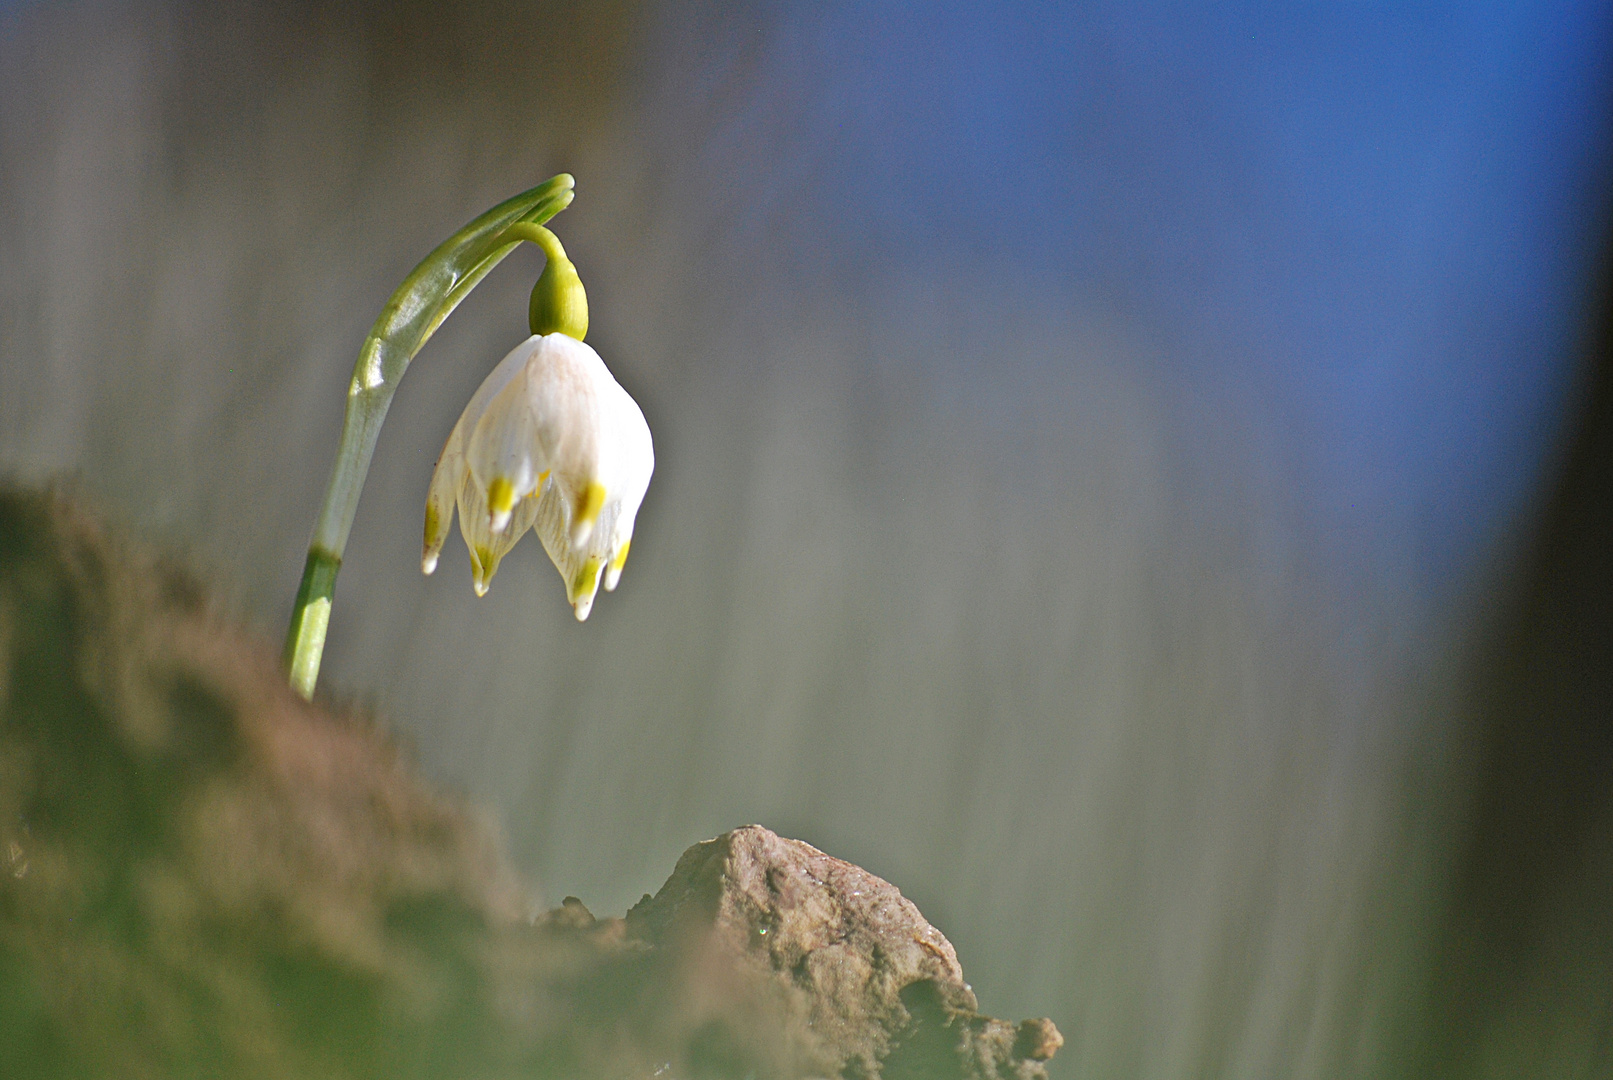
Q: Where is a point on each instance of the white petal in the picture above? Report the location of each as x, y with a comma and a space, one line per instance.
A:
513, 364
503, 450
579, 566
447, 477
582, 606
613, 569
488, 546
599, 448
440, 497
562, 383
628, 454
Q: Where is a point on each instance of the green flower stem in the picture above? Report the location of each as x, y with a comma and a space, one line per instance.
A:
531, 230
305, 643
427, 296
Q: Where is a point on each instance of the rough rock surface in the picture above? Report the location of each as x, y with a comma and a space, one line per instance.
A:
202, 875
871, 987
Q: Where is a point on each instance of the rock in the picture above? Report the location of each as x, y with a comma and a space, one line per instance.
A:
869, 987
207, 876
1037, 1040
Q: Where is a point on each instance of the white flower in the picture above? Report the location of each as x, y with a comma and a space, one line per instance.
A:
550, 442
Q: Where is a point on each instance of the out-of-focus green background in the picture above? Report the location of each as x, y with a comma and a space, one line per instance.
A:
1117, 465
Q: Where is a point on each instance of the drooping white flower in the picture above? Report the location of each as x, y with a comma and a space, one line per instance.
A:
550, 442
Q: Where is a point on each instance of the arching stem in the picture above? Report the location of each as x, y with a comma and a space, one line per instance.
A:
427, 296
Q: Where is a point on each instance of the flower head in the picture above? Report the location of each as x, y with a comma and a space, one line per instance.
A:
550, 442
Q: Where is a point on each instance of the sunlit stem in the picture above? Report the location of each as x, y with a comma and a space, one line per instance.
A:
531, 230
427, 296
559, 302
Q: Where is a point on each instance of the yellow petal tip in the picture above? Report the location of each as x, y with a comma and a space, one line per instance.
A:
500, 501
587, 513
613, 570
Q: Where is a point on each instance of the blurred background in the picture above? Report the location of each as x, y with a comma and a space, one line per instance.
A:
1135, 476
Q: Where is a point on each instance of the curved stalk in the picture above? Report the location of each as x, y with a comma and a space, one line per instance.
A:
427, 296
